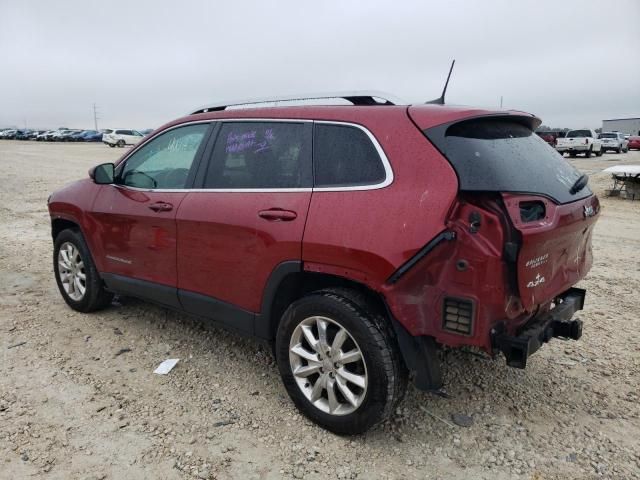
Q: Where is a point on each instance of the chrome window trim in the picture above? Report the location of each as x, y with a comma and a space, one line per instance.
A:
389, 177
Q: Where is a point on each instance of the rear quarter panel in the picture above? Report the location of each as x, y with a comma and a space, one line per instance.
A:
367, 235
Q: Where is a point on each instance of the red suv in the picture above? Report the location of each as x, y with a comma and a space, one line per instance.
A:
359, 239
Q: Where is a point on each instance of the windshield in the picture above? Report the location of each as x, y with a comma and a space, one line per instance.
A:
501, 155
579, 133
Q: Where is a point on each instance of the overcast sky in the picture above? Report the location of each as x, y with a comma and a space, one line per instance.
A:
572, 63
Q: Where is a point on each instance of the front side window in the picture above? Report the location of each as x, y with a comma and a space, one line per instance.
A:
260, 155
344, 156
165, 161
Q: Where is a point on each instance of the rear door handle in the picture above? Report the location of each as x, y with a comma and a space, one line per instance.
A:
161, 207
278, 215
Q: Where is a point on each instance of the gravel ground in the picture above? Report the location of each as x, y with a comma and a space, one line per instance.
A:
78, 399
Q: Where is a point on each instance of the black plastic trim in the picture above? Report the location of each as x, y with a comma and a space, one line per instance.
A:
222, 313
264, 323
420, 355
409, 264
143, 289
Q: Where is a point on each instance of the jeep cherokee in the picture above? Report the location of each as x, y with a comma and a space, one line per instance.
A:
357, 239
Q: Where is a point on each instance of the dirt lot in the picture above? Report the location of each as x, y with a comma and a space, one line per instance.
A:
71, 407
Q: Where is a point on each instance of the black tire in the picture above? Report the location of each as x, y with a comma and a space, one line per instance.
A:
121, 143
95, 296
588, 153
386, 373
111, 145
618, 150
572, 154
600, 152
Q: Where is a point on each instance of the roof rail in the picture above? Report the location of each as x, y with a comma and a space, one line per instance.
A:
356, 98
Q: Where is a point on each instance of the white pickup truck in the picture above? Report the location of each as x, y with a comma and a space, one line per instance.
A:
580, 141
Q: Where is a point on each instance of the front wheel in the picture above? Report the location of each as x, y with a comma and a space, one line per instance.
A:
339, 361
120, 143
76, 274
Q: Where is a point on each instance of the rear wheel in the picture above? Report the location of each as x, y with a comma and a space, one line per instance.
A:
600, 152
618, 150
111, 144
76, 274
588, 153
339, 361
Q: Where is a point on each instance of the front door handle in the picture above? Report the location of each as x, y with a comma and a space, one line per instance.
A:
278, 215
161, 207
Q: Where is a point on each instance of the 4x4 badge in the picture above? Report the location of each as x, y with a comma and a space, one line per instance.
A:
534, 283
589, 211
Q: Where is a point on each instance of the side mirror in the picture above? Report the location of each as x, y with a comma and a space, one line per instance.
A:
103, 174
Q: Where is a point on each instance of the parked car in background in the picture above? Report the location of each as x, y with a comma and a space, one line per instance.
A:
146, 131
76, 136
22, 135
34, 135
59, 134
68, 136
359, 239
120, 137
580, 141
549, 136
9, 134
93, 136
634, 142
43, 135
614, 141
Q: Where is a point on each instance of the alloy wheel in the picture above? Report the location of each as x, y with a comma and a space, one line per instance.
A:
71, 271
328, 365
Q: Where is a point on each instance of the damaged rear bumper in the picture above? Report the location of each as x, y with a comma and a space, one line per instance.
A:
540, 329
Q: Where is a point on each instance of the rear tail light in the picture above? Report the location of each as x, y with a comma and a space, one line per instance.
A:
586, 141
457, 315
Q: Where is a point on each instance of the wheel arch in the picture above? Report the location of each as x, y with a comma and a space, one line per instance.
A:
289, 282
59, 224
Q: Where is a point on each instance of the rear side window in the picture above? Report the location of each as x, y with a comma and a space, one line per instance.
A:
260, 155
502, 155
344, 156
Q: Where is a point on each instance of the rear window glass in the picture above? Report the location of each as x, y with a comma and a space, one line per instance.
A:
579, 133
502, 155
344, 156
608, 135
260, 155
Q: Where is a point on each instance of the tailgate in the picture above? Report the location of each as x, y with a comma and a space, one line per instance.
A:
555, 251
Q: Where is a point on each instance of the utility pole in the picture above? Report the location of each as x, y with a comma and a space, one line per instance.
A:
500, 102
95, 117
